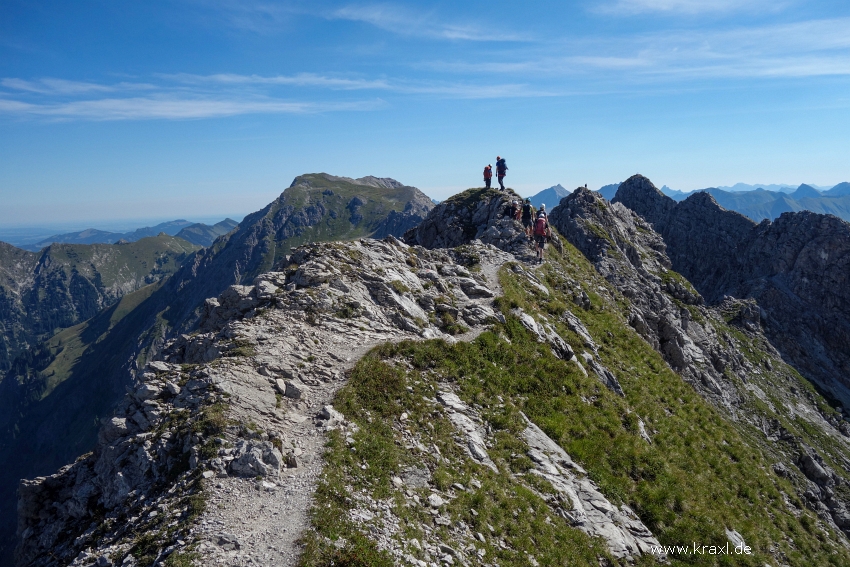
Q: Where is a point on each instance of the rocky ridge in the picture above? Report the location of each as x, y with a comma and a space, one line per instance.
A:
52, 430
214, 456
710, 346
796, 268
273, 354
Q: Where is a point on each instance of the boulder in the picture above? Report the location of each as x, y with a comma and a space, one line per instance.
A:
112, 429
255, 458
147, 392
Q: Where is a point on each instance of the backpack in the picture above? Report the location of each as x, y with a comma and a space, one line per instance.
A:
526, 210
501, 166
540, 227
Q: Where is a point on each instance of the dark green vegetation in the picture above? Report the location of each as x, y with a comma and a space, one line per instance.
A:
100, 357
700, 475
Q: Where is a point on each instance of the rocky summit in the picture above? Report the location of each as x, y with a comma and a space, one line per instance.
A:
441, 400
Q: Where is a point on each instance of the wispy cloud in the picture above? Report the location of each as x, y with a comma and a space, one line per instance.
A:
172, 108
256, 16
689, 7
265, 16
298, 80
430, 87
189, 96
402, 21
62, 86
801, 49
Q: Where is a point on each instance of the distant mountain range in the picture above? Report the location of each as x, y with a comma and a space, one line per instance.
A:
759, 203
199, 234
204, 235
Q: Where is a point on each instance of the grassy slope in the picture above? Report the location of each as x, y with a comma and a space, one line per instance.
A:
69, 345
156, 255
64, 284
701, 473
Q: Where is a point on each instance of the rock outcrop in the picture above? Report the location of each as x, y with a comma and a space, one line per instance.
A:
630, 255
797, 268
475, 214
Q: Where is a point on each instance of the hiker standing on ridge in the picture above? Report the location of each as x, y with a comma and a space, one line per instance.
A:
542, 232
527, 216
488, 175
501, 170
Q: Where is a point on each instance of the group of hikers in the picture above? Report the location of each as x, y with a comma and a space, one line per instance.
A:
535, 223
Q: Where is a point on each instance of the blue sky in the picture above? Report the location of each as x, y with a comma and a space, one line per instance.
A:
194, 108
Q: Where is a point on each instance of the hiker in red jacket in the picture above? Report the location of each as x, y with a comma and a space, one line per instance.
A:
488, 175
501, 170
542, 232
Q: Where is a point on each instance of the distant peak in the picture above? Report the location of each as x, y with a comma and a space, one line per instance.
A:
640, 184
805, 191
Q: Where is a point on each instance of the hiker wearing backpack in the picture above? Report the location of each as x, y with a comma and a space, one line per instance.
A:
542, 232
527, 216
488, 175
501, 171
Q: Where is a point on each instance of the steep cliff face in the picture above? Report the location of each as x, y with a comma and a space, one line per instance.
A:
797, 268
58, 427
65, 284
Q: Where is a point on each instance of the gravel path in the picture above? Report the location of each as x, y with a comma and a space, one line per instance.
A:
257, 521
